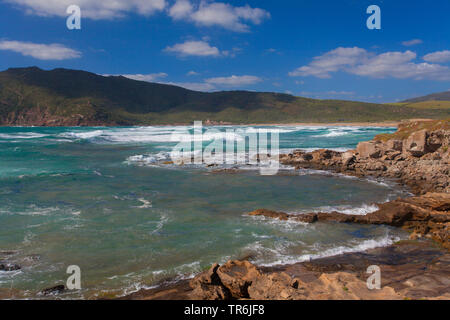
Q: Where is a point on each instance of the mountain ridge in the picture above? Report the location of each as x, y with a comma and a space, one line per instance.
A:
438, 96
65, 97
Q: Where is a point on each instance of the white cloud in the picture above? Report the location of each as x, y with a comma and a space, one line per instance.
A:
212, 84
341, 93
438, 56
361, 62
157, 78
202, 13
181, 9
332, 61
192, 73
327, 93
39, 51
218, 14
193, 48
93, 9
234, 81
151, 77
196, 86
412, 42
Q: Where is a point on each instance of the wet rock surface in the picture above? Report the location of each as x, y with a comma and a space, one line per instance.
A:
417, 155
5, 262
424, 216
53, 290
409, 270
9, 267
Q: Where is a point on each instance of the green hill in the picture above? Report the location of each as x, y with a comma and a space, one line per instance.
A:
440, 96
431, 104
62, 97
436, 101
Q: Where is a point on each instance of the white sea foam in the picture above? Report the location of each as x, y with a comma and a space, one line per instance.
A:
82, 135
184, 133
150, 134
145, 204
22, 135
278, 257
346, 209
34, 210
6, 277
291, 150
338, 132
283, 225
274, 129
160, 224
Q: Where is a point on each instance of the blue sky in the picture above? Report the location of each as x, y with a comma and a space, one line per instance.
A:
314, 48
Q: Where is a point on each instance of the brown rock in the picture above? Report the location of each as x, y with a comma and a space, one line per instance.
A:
436, 139
270, 214
396, 145
348, 158
368, 149
208, 286
205, 292
416, 143
428, 214
208, 277
237, 276
275, 286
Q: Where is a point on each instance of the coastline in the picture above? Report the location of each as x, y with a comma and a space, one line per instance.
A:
206, 123
426, 217
370, 159
344, 275
213, 123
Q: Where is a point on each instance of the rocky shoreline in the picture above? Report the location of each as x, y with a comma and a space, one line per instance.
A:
424, 216
409, 270
417, 156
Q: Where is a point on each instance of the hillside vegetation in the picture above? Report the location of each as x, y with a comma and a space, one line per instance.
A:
62, 97
440, 96
432, 104
406, 128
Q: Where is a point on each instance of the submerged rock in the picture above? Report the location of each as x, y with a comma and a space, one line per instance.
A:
426, 215
9, 267
270, 214
53, 290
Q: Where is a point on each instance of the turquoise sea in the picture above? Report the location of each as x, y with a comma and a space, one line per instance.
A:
109, 201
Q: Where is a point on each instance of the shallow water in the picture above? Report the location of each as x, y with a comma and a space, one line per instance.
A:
100, 198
